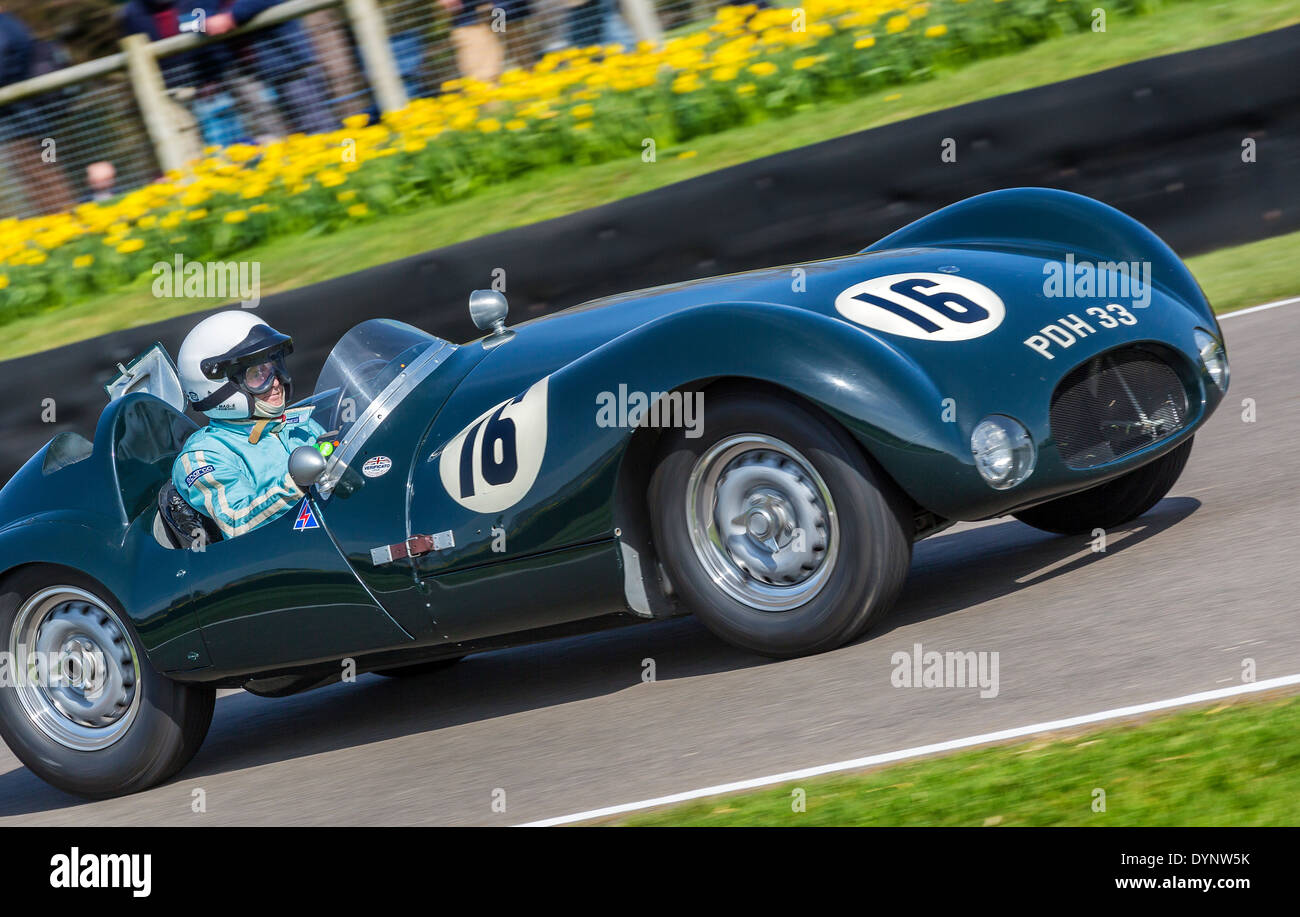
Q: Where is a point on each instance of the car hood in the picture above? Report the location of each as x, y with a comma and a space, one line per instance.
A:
1006, 356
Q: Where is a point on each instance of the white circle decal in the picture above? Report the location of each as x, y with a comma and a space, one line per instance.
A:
492, 463
377, 467
932, 307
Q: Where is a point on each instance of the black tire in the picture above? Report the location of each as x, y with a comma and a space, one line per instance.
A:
874, 528
419, 668
168, 726
1113, 503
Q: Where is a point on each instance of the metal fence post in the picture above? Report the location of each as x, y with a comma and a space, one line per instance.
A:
643, 20
151, 95
372, 38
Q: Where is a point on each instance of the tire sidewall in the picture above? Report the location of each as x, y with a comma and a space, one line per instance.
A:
1114, 503
853, 592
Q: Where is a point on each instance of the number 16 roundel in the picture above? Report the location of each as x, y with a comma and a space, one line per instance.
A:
492, 463
932, 307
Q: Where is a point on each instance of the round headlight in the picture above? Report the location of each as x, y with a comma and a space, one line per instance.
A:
1003, 450
1213, 357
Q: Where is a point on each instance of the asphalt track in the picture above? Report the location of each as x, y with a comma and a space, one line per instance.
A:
1179, 599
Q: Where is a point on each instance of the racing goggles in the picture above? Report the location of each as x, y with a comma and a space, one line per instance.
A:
258, 378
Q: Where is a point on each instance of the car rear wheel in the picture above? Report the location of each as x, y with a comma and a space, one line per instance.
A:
775, 529
85, 710
1113, 503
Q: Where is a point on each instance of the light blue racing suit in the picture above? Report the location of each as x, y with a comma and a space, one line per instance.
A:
237, 483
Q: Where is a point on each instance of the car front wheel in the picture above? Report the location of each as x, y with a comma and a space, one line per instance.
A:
85, 711
1113, 503
775, 529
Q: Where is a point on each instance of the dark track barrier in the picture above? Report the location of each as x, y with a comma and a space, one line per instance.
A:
1160, 139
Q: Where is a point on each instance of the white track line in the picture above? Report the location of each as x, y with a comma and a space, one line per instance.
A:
921, 750
1267, 305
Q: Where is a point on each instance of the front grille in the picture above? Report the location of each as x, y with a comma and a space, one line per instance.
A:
1114, 405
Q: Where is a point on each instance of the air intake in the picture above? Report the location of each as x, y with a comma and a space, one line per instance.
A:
1114, 405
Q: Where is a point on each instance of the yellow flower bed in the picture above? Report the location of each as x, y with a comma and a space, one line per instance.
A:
579, 105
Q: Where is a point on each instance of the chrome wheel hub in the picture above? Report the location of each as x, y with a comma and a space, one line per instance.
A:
762, 522
78, 675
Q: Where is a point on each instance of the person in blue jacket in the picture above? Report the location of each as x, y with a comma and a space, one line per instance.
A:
159, 19
280, 56
283, 58
236, 469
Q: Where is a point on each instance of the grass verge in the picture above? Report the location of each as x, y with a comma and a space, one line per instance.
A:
1237, 763
1248, 275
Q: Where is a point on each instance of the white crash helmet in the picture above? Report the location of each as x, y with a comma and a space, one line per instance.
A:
222, 364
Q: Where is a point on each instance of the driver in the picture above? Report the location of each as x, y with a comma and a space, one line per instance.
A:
236, 469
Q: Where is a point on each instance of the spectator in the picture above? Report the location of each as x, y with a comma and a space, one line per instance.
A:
283, 58
27, 125
550, 25
521, 33
479, 55
164, 18
101, 177
587, 22
16, 45
598, 22
280, 57
195, 77
617, 31
487, 42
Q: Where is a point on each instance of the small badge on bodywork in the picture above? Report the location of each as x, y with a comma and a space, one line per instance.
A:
306, 518
377, 466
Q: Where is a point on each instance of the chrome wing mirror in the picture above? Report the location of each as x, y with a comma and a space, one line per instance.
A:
306, 465
488, 309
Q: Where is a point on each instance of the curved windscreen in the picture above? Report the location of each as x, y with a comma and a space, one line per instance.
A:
362, 365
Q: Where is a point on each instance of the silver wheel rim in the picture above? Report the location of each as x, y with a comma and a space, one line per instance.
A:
762, 522
76, 670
